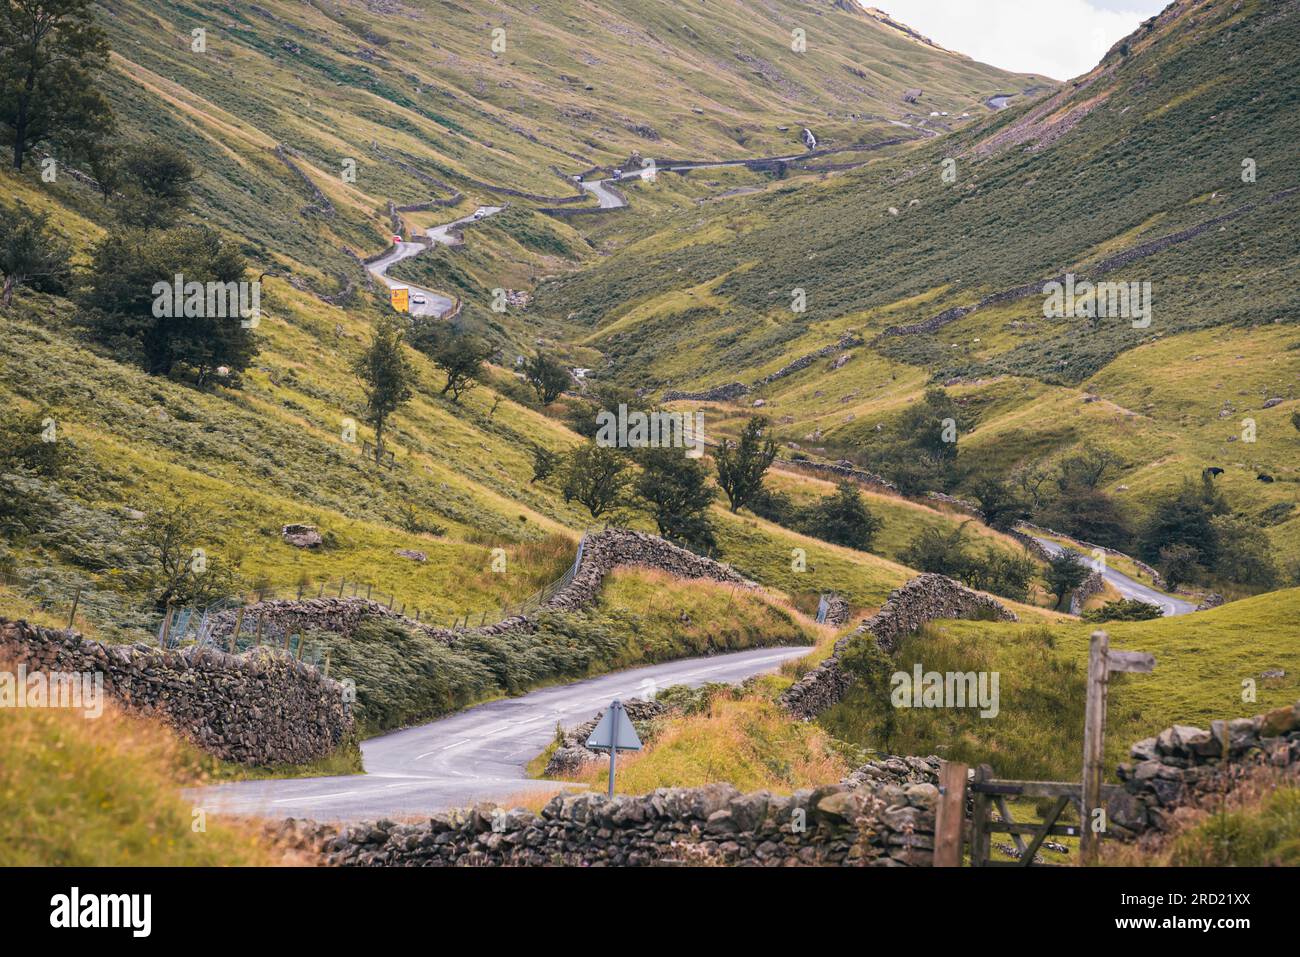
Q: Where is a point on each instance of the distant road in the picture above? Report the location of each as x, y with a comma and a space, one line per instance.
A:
435, 304
1126, 586
476, 754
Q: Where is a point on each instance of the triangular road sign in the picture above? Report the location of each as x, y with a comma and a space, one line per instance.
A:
615, 729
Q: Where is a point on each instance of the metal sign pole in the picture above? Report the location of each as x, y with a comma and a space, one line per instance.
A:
614, 709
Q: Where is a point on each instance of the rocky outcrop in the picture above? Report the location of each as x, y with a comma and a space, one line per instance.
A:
301, 536
714, 824
923, 599
259, 708
1184, 766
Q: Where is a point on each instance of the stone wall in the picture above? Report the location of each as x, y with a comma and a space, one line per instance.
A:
1183, 766
258, 709
923, 599
1094, 584
604, 551
886, 826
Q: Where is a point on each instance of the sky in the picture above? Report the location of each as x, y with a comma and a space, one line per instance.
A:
1059, 39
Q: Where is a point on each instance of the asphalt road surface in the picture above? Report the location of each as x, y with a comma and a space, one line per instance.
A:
476, 754
435, 304
1126, 586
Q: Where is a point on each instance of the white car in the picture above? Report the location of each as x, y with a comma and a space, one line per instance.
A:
478, 214
419, 300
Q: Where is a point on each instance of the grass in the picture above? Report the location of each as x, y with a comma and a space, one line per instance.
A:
82, 793
1199, 677
747, 742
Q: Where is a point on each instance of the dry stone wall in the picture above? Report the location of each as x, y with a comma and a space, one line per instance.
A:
715, 824
603, 552
257, 709
923, 599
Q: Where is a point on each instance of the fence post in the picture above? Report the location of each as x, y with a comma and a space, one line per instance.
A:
300, 644
76, 600
368, 588
167, 624
234, 635
342, 585
950, 815
327, 664
261, 617
1094, 731
321, 593
979, 819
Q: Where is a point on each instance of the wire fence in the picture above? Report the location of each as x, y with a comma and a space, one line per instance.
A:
188, 624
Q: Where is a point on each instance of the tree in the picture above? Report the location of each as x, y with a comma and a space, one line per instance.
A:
867, 663
1001, 506
931, 426
123, 304
30, 254
544, 462
939, 550
1182, 517
678, 493
1180, 563
458, 355
742, 465
1087, 467
175, 569
1065, 572
387, 375
51, 53
155, 182
843, 518
595, 476
548, 377
1295, 419
1245, 555
1088, 514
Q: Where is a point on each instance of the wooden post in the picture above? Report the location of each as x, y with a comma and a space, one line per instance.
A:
261, 620
327, 664
234, 635
321, 593
979, 819
300, 643
342, 585
1094, 733
950, 815
167, 624
368, 587
76, 600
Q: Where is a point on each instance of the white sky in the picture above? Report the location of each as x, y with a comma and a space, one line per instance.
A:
1055, 38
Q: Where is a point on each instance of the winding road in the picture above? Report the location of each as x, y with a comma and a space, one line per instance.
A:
435, 303
476, 754
1127, 587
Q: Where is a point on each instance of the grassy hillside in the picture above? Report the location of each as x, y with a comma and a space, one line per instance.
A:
1147, 145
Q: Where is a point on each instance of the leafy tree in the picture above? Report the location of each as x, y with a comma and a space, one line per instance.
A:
1065, 573
1245, 555
1179, 564
1089, 514
458, 355
595, 476
30, 253
122, 304
1183, 517
1000, 503
677, 490
939, 550
742, 465
174, 567
387, 375
544, 462
604, 398
930, 426
51, 55
843, 518
1088, 467
1002, 573
155, 180
548, 377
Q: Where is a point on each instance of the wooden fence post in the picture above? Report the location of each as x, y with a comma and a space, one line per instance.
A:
234, 635
261, 619
327, 664
1094, 733
950, 815
76, 600
979, 819
167, 624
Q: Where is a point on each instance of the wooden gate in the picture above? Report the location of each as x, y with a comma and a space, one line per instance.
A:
988, 795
